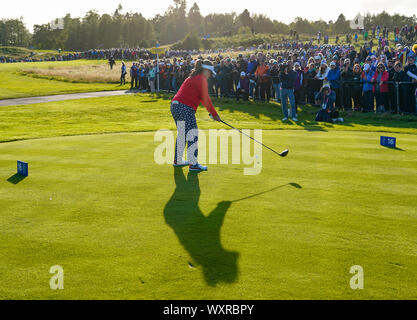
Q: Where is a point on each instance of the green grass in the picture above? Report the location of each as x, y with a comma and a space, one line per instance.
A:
14, 84
147, 112
124, 227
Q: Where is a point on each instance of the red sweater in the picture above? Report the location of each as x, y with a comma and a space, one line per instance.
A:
195, 91
384, 77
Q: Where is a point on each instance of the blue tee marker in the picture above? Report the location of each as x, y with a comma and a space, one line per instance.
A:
388, 142
22, 168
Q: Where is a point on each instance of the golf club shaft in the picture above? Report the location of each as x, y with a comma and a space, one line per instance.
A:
250, 137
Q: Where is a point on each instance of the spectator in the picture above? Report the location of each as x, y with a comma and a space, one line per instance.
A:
298, 84
287, 77
322, 71
356, 87
326, 99
152, 76
380, 80
333, 76
276, 84
410, 75
391, 101
368, 96
310, 83
132, 75
123, 74
242, 88
346, 76
262, 74
111, 62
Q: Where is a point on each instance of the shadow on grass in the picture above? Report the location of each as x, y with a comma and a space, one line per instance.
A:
16, 178
293, 184
396, 148
306, 114
200, 235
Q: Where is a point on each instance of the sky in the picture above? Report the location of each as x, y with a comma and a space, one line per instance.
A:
44, 11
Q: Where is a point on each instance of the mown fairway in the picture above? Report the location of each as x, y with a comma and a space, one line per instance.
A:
124, 227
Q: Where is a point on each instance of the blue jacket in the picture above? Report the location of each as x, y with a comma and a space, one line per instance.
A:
367, 86
327, 102
252, 65
334, 78
133, 71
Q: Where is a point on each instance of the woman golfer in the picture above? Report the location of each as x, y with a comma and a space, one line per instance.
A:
183, 107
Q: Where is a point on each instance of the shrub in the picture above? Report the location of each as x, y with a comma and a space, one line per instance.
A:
190, 42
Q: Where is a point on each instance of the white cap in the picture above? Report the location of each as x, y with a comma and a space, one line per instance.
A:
332, 63
366, 67
243, 73
211, 68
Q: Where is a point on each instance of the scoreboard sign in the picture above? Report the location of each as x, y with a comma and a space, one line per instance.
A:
388, 142
22, 168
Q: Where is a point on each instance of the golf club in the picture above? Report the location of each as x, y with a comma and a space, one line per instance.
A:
281, 154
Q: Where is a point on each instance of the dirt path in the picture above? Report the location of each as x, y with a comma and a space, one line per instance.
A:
62, 97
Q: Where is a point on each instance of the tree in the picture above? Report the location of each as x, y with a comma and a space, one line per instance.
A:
174, 26
14, 33
341, 25
245, 19
302, 26
262, 24
195, 18
190, 42
43, 37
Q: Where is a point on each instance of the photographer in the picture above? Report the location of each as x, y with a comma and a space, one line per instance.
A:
287, 77
242, 88
326, 99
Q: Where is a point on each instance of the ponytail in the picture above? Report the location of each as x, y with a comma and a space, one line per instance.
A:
198, 68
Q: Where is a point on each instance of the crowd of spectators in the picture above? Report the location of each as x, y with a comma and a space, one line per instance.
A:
378, 77
381, 79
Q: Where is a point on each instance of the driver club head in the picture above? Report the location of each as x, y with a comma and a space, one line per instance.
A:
284, 153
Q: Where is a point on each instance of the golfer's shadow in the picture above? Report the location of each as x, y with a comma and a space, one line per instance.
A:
200, 235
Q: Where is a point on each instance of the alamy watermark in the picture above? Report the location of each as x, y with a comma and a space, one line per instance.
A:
356, 282
213, 147
57, 280
57, 24
357, 23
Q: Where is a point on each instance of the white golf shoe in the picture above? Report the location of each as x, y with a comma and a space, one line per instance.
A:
198, 167
181, 163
